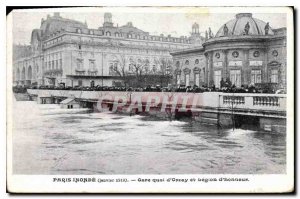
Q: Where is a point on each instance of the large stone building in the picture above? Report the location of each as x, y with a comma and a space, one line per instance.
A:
67, 51
245, 50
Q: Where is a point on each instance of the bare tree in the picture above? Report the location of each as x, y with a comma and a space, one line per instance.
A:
165, 70
140, 71
121, 71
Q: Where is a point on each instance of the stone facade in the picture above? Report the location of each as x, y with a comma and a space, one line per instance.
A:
255, 56
67, 51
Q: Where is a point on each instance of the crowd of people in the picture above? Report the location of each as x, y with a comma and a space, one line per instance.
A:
225, 87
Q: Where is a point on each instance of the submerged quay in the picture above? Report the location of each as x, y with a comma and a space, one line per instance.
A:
268, 111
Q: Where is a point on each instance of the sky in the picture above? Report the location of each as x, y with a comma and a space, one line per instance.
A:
175, 21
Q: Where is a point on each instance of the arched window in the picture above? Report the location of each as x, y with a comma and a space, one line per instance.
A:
113, 64
117, 34
78, 30
129, 36
29, 73
187, 62
108, 33
197, 61
18, 74
177, 64
23, 74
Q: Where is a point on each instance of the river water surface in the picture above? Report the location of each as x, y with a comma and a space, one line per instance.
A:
50, 140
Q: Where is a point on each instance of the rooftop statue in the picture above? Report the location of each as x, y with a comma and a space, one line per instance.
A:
247, 28
210, 34
267, 28
225, 29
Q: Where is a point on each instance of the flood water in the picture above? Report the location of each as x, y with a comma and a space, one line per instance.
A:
49, 140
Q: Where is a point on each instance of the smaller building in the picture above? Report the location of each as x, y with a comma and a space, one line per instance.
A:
245, 51
45, 99
69, 103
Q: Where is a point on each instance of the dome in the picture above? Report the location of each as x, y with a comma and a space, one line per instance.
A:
237, 26
195, 25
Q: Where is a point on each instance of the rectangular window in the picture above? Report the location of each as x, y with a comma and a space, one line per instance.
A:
178, 79
52, 64
79, 63
187, 79
60, 64
56, 64
217, 78
274, 76
45, 65
235, 77
92, 64
111, 68
80, 82
197, 79
255, 76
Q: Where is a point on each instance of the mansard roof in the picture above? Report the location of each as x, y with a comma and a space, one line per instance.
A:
130, 28
56, 23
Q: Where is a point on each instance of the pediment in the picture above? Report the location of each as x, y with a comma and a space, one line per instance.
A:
274, 63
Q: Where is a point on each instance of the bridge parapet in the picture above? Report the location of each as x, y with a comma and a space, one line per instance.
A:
275, 102
246, 101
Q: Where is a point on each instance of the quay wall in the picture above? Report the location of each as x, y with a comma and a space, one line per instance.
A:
267, 110
242, 101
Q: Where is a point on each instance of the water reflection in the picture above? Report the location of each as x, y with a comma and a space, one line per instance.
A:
54, 141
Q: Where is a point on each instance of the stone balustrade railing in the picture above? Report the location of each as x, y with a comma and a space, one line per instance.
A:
233, 100
253, 101
245, 101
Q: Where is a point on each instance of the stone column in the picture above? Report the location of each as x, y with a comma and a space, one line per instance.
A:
225, 72
245, 79
265, 75
103, 63
210, 68
206, 69
283, 74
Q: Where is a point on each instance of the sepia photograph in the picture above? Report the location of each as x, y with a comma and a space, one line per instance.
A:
152, 94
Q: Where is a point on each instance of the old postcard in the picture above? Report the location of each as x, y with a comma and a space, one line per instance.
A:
150, 100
